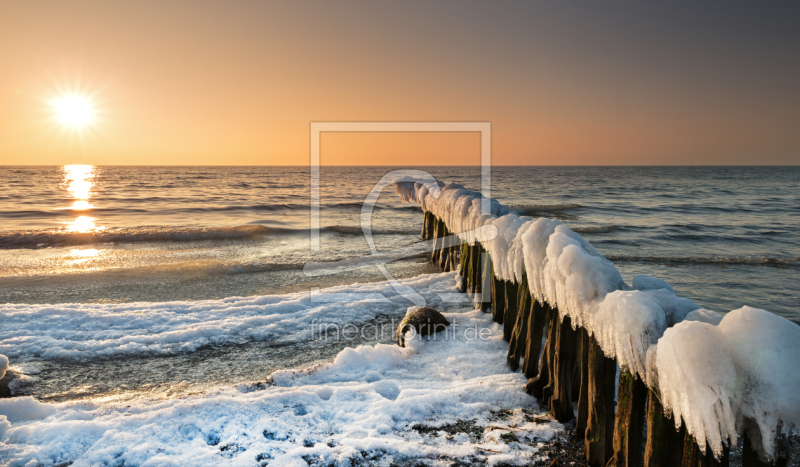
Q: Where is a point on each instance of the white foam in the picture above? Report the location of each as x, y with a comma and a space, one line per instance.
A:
80, 331
363, 402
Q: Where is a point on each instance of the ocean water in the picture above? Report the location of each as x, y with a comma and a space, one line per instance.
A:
91, 257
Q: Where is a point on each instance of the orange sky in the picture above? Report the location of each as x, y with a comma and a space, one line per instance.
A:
198, 82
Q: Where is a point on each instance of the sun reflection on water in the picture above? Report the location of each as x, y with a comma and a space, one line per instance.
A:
81, 205
79, 180
83, 224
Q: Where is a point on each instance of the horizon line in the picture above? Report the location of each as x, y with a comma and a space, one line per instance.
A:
410, 165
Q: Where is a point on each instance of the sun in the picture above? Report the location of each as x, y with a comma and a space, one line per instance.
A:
74, 111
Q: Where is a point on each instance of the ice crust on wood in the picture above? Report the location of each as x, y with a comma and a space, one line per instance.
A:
746, 366
562, 269
711, 370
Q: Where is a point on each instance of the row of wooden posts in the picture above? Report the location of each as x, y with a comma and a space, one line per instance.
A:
571, 367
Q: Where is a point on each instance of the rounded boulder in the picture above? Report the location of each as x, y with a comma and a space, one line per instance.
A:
425, 321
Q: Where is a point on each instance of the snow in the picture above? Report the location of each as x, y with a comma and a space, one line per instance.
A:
363, 403
82, 331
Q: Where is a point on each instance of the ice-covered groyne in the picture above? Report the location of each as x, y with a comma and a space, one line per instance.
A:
697, 378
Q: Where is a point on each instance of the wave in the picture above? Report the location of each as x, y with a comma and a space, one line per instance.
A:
544, 207
57, 238
545, 210
597, 229
60, 211
214, 268
699, 260
356, 230
33, 239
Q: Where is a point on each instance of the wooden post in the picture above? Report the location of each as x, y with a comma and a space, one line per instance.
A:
510, 314
498, 298
475, 271
753, 454
693, 457
483, 297
536, 325
565, 356
537, 384
443, 247
600, 427
553, 329
438, 233
664, 442
519, 334
583, 397
629, 424
464, 258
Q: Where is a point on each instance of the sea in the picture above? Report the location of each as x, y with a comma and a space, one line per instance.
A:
117, 281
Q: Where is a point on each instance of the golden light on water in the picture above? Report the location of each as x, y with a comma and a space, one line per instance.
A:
74, 111
83, 224
81, 205
79, 181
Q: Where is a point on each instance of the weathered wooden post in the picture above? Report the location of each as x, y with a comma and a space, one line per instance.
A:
549, 380
563, 364
438, 233
583, 397
519, 334
510, 313
536, 325
536, 386
464, 260
441, 228
483, 299
694, 457
629, 423
664, 442
753, 454
599, 438
498, 298
475, 272
444, 254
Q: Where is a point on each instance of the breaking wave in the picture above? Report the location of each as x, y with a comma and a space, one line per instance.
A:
62, 238
273, 207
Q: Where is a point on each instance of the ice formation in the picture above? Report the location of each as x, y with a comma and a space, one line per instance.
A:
711, 370
714, 375
563, 270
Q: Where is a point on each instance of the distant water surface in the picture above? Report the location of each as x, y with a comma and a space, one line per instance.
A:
723, 236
